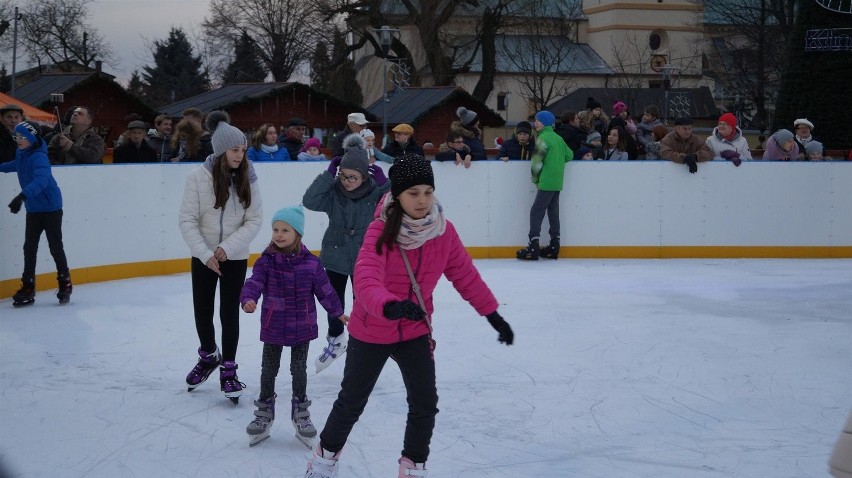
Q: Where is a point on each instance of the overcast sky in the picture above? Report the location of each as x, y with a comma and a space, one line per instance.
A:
131, 26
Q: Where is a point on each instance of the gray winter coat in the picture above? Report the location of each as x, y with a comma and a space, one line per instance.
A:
347, 220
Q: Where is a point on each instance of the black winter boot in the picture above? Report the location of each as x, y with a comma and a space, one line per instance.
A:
551, 251
529, 253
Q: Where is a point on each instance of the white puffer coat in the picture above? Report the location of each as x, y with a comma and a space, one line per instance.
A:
204, 228
737, 143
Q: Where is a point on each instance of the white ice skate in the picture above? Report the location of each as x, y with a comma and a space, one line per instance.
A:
336, 348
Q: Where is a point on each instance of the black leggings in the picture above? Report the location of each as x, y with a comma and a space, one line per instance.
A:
204, 283
364, 363
51, 224
271, 362
338, 282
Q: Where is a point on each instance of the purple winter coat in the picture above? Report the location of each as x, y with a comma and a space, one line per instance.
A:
288, 283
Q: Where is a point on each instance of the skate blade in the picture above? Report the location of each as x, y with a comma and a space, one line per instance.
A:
24, 303
257, 439
307, 441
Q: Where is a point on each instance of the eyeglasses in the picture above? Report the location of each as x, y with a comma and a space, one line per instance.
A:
18, 137
348, 178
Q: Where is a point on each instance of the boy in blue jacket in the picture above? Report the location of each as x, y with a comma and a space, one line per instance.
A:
43, 200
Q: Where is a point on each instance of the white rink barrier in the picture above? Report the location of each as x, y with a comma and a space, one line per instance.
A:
121, 220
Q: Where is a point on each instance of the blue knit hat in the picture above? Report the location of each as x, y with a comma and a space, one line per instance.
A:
28, 131
294, 216
546, 118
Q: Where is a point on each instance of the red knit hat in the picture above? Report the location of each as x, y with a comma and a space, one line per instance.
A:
730, 119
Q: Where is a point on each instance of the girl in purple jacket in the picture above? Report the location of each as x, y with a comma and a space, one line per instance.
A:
289, 277
389, 319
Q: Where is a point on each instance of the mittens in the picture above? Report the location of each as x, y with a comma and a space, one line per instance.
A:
690, 160
403, 309
15, 205
378, 174
335, 162
505, 334
732, 156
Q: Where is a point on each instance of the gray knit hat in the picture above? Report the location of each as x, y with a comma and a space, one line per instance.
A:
355, 155
782, 136
225, 136
813, 147
466, 116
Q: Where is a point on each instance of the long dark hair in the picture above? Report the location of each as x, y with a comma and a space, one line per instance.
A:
391, 229
222, 178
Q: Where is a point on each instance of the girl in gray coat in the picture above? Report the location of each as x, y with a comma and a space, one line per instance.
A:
349, 197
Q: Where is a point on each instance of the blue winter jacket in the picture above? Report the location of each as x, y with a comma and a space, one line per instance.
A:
259, 155
35, 178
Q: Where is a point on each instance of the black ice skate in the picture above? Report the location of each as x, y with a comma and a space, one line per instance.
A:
551, 251
529, 253
25, 295
65, 288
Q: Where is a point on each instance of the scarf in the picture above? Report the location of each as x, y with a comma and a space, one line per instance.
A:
269, 148
413, 233
366, 186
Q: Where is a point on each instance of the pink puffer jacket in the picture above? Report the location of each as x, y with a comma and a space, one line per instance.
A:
380, 279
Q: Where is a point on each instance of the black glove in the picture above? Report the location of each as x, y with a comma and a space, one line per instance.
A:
690, 159
506, 336
15, 205
403, 309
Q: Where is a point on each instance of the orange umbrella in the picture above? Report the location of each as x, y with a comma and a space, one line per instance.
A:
30, 112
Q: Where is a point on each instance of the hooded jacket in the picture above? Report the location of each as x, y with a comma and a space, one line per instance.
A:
477, 149
347, 220
717, 143
35, 177
380, 279
205, 228
548, 162
289, 283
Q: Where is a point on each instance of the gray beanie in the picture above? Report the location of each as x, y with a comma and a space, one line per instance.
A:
225, 136
782, 136
466, 116
813, 147
355, 156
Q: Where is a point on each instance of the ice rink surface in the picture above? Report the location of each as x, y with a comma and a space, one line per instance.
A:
621, 368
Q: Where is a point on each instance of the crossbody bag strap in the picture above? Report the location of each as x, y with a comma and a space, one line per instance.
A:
416, 287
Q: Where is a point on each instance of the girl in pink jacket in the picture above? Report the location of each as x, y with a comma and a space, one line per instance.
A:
387, 319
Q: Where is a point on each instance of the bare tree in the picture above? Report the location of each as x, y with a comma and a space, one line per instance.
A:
282, 29
447, 53
57, 31
542, 51
631, 62
753, 40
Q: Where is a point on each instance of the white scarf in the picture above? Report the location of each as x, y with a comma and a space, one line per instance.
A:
267, 148
413, 233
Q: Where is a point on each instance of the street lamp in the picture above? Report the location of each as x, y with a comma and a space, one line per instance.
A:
385, 38
667, 84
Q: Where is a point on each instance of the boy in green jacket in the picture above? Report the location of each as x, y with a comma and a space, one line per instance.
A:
548, 174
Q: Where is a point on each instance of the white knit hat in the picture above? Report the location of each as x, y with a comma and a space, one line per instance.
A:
803, 121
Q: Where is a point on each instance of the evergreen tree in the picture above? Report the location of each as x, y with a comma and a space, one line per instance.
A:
135, 86
247, 66
342, 82
176, 74
816, 86
320, 67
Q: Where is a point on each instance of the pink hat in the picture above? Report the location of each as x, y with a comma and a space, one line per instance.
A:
618, 107
310, 143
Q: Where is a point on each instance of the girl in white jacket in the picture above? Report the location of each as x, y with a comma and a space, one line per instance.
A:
219, 217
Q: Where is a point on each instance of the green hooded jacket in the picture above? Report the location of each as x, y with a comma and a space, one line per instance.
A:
548, 161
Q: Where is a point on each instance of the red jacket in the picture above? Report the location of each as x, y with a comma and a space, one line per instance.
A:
380, 279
